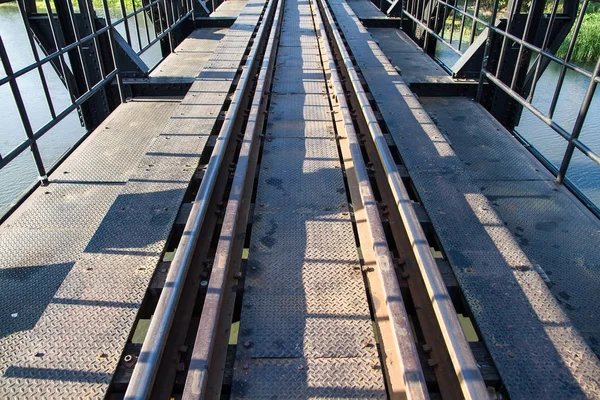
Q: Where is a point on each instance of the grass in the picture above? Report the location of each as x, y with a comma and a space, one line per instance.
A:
112, 4
587, 46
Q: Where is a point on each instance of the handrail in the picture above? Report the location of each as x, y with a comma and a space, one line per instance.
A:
106, 72
417, 14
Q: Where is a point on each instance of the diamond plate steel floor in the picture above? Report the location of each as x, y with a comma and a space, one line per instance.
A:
77, 257
305, 312
534, 344
191, 55
229, 8
414, 64
552, 227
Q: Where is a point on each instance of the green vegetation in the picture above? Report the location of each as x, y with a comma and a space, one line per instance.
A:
112, 4
587, 46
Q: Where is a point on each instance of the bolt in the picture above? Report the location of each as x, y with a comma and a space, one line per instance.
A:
431, 362
245, 366
426, 348
400, 261
300, 367
405, 275
247, 344
204, 283
128, 358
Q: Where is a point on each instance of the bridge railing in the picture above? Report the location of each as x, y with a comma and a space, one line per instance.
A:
507, 45
91, 45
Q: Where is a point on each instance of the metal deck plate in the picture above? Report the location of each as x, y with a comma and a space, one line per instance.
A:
229, 8
300, 107
533, 343
305, 315
76, 333
40, 246
365, 9
302, 174
299, 80
317, 378
305, 295
190, 56
550, 225
415, 65
487, 150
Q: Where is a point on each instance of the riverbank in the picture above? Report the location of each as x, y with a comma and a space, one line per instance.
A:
587, 47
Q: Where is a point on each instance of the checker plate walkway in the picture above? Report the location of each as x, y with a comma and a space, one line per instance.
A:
77, 258
82, 258
305, 311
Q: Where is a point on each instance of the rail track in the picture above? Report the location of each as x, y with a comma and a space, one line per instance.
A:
200, 297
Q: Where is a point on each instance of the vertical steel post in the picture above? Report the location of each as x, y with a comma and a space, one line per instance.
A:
538, 65
14, 87
125, 22
36, 57
486, 53
585, 106
563, 69
111, 41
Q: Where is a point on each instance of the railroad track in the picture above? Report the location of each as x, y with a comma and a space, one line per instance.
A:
227, 265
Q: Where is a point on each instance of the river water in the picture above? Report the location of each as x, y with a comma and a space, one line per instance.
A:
20, 173
582, 171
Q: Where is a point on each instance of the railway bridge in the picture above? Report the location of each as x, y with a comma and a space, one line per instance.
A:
299, 200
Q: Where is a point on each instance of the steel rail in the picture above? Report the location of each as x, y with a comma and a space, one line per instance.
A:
202, 362
145, 370
465, 366
400, 348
